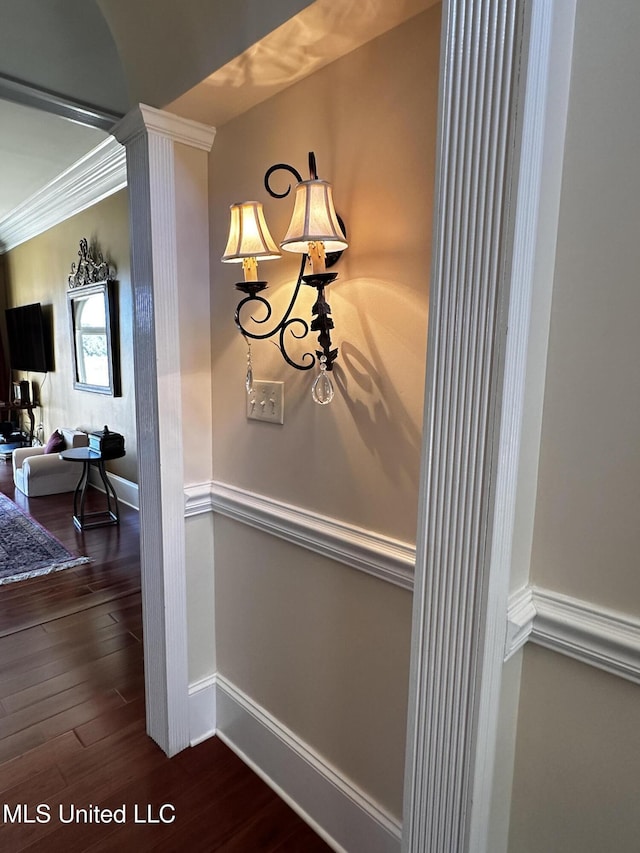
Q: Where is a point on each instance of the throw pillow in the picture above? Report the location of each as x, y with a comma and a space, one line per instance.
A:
56, 443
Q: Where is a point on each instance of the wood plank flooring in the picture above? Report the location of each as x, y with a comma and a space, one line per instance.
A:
72, 729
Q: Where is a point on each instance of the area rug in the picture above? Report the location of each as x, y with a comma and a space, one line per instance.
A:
27, 549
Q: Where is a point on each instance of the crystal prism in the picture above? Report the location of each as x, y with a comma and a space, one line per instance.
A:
322, 389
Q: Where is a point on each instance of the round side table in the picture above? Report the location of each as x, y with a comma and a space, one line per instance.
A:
86, 520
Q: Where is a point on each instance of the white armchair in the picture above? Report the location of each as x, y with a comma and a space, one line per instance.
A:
38, 473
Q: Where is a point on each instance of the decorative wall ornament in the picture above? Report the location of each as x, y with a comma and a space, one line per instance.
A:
93, 317
91, 268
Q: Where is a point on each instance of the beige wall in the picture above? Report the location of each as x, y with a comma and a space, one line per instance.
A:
574, 776
194, 312
37, 271
587, 534
578, 761
323, 647
200, 592
372, 129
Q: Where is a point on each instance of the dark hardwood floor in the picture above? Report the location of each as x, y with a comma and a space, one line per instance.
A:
72, 730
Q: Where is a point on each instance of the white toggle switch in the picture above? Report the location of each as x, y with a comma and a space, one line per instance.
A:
265, 402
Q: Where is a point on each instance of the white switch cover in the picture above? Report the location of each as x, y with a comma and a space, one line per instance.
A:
265, 402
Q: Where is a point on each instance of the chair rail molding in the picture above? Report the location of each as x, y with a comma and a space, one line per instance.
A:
604, 638
382, 556
594, 635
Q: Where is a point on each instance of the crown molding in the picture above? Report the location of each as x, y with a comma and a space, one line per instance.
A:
98, 174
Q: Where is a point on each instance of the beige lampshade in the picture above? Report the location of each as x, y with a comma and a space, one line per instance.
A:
249, 236
314, 219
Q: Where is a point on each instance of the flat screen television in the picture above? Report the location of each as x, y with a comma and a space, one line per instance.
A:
29, 336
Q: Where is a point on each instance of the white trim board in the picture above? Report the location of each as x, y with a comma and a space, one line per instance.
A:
21, 92
94, 177
202, 710
520, 615
342, 814
365, 550
126, 490
595, 635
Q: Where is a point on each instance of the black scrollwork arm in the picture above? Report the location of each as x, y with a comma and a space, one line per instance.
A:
284, 324
285, 167
305, 331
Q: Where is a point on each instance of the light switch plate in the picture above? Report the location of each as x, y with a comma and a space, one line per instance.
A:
265, 402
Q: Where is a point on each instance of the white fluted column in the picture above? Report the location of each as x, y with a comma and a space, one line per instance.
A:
150, 137
490, 158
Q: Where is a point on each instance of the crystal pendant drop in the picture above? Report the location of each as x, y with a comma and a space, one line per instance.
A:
248, 382
322, 388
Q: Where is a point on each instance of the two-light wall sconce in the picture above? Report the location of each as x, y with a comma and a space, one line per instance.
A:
317, 233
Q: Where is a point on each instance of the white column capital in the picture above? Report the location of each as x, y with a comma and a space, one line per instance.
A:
144, 119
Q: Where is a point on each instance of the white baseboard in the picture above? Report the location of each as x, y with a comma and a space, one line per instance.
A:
126, 491
344, 816
202, 710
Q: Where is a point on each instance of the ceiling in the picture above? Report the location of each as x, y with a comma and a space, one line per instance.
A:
195, 58
50, 53
35, 147
106, 55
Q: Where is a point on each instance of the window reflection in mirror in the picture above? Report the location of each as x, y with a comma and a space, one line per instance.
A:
91, 341
93, 331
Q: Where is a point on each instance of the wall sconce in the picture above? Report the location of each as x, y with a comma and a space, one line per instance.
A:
317, 233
